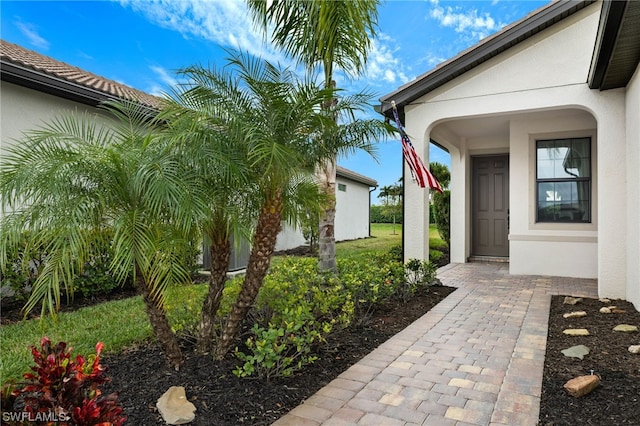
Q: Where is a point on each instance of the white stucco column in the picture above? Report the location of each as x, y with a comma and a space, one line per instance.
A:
612, 195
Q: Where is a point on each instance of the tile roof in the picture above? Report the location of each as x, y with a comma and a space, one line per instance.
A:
32, 69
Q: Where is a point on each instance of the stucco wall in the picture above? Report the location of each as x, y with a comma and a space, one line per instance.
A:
351, 221
632, 105
24, 109
352, 210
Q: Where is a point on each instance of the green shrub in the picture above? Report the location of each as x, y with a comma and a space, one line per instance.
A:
441, 207
280, 349
419, 275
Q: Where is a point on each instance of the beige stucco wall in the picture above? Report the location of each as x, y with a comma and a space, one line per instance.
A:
537, 88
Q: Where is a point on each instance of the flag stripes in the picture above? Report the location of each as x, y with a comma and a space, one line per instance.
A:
419, 171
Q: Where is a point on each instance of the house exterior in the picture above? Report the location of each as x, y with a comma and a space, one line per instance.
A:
35, 88
542, 122
353, 211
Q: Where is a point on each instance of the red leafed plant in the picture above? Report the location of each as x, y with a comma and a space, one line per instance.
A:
63, 390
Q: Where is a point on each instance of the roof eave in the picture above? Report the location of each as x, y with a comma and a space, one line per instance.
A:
42, 82
610, 18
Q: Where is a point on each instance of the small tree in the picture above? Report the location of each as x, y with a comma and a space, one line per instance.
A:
392, 201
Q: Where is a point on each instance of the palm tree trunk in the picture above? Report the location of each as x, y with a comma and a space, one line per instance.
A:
160, 325
264, 243
220, 253
326, 235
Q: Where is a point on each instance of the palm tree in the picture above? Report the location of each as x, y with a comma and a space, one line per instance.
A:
275, 118
80, 174
196, 114
326, 34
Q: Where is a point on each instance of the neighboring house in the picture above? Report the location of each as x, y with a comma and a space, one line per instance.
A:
35, 88
542, 122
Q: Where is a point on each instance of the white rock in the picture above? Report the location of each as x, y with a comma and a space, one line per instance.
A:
605, 310
174, 406
634, 349
605, 300
575, 314
625, 328
576, 332
568, 300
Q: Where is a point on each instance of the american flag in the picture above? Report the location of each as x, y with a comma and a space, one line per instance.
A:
419, 171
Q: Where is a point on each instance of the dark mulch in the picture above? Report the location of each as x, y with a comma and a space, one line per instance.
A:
617, 400
142, 375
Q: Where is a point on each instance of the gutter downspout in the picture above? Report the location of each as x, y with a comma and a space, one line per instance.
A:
370, 191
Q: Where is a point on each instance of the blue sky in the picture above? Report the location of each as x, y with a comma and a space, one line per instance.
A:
141, 43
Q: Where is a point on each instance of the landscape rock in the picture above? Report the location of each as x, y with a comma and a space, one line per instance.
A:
578, 351
605, 300
625, 328
576, 331
568, 300
582, 385
618, 311
174, 406
634, 349
575, 314
605, 310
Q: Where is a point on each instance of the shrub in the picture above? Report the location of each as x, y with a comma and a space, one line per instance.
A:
62, 389
279, 350
441, 206
419, 275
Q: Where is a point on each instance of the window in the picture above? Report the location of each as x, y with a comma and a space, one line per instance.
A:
563, 180
342, 187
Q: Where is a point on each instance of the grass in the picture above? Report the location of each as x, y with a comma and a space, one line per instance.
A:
123, 323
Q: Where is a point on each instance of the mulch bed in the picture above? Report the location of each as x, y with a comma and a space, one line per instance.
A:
616, 401
141, 375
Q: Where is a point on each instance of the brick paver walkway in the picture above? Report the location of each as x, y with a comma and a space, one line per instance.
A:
474, 359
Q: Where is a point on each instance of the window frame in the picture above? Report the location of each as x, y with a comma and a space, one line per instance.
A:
589, 180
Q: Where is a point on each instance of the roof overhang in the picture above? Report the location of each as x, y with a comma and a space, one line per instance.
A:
617, 50
482, 52
42, 82
357, 177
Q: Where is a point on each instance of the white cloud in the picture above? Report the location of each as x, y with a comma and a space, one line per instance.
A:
383, 64
224, 22
469, 22
165, 77
31, 33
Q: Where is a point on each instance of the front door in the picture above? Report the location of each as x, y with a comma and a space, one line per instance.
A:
490, 193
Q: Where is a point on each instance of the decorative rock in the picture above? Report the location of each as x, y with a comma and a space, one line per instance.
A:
634, 349
618, 311
575, 314
576, 331
625, 328
568, 300
174, 406
605, 310
582, 385
605, 300
578, 351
